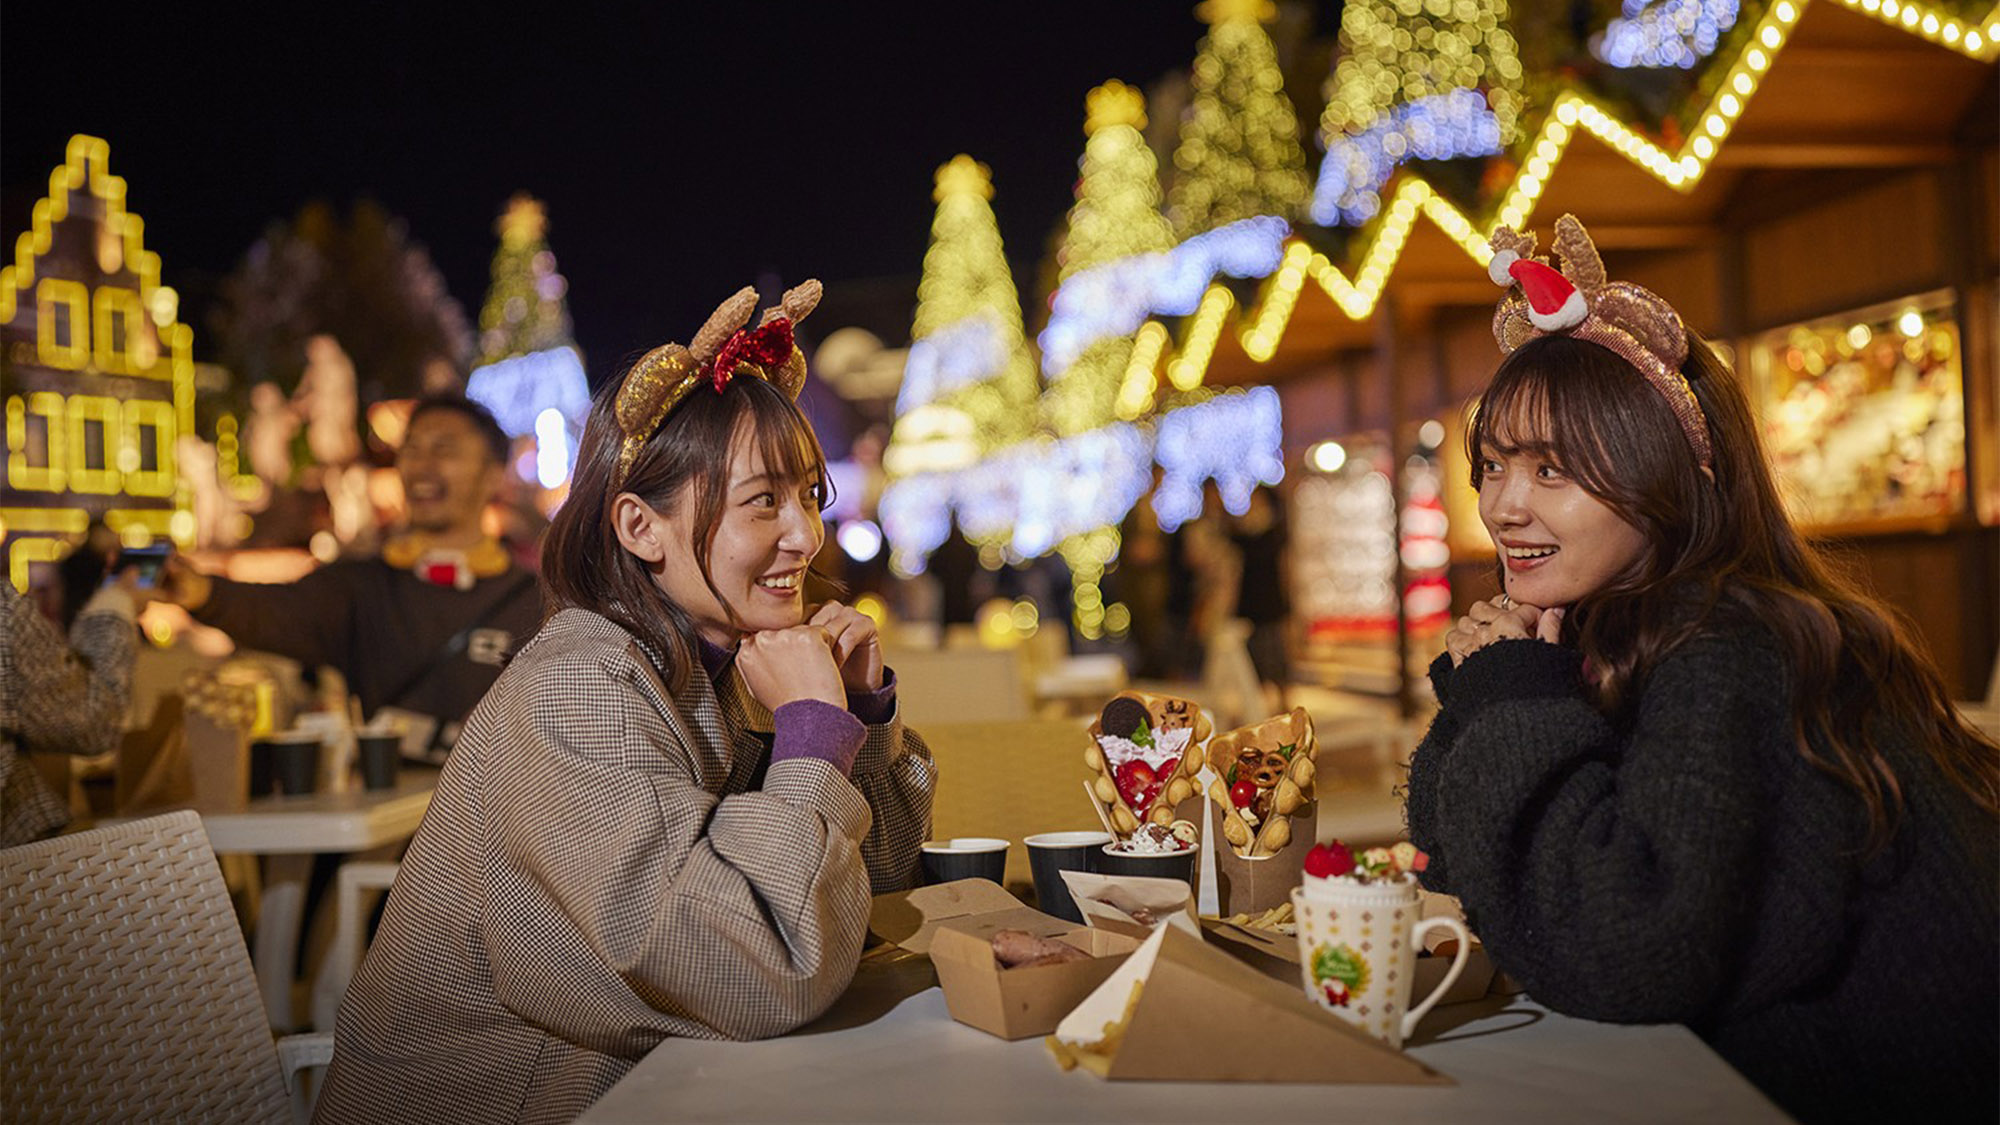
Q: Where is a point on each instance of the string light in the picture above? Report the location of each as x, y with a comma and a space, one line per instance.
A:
1669, 33
1233, 439
98, 313
1080, 484
519, 390
1115, 298
1439, 127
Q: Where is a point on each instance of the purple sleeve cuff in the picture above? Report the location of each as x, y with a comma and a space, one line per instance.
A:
878, 706
808, 728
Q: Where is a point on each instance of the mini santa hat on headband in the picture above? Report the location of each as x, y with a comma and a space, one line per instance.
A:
1553, 303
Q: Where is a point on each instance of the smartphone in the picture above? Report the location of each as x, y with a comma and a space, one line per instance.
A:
149, 560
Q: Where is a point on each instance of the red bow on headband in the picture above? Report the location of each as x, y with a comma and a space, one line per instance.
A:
767, 345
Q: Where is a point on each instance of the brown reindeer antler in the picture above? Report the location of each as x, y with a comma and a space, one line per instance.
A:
721, 350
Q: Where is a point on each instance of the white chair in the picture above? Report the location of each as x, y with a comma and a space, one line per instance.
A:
127, 988
1229, 677
1984, 714
350, 936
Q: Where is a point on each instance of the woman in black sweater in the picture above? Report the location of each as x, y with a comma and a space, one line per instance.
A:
1683, 770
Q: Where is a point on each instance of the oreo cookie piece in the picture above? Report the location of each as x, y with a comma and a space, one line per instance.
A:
1123, 716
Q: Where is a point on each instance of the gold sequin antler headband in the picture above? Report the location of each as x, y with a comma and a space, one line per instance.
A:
722, 350
1576, 300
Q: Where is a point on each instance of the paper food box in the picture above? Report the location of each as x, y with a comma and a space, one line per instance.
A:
1251, 885
1181, 1010
1276, 955
956, 923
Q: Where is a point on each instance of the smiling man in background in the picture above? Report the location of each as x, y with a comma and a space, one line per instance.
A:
424, 626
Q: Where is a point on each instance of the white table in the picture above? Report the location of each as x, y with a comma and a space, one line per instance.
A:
884, 1055
288, 832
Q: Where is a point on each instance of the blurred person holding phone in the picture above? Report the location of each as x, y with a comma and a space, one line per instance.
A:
62, 695
422, 627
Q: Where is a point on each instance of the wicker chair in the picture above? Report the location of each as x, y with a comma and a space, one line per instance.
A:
127, 990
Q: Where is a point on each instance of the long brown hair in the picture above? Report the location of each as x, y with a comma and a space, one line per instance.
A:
1725, 544
685, 461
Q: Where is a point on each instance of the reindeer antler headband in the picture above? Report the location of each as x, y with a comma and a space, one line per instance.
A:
1576, 301
722, 350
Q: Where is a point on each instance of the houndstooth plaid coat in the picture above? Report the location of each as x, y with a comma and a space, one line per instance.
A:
594, 876
56, 697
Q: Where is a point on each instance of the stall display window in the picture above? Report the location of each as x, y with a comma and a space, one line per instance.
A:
1346, 537
1344, 543
1864, 415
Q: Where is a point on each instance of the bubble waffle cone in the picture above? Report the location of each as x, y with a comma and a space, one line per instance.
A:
1276, 758
1146, 751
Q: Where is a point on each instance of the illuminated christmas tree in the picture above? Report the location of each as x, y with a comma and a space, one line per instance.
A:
969, 385
1239, 153
967, 350
1115, 233
530, 375
1433, 80
1117, 210
525, 310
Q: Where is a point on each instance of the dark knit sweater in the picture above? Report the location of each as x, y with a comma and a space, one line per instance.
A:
1684, 863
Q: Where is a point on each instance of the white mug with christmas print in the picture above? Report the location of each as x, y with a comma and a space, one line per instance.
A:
1360, 926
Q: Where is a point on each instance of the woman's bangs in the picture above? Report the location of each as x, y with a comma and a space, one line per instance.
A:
786, 440
1514, 416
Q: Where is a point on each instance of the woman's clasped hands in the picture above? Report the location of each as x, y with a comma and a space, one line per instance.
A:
836, 651
1498, 619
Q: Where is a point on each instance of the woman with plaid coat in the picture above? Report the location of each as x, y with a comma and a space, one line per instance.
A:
669, 814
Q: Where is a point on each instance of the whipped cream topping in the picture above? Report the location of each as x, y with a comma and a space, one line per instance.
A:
1165, 753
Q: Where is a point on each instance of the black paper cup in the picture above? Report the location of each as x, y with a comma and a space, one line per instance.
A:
1052, 853
380, 755
261, 783
1159, 865
965, 857
295, 764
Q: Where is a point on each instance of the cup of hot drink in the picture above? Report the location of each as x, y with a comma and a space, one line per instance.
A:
1052, 853
293, 764
964, 857
380, 757
1360, 924
1154, 851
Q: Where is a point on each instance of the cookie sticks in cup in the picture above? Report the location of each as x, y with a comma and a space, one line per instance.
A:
1360, 924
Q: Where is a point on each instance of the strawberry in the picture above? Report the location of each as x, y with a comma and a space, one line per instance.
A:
1325, 861
1138, 784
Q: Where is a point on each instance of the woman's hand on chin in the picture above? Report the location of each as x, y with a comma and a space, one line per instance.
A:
783, 666
1499, 619
857, 646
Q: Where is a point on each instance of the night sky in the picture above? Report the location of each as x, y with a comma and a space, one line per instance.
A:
682, 150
